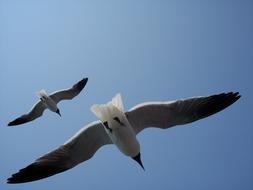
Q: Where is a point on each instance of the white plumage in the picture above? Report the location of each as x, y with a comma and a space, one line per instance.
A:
121, 128
50, 102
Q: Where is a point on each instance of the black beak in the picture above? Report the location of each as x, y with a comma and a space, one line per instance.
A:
138, 159
58, 112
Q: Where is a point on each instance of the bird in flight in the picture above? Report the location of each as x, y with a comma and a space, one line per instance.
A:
120, 128
50, 102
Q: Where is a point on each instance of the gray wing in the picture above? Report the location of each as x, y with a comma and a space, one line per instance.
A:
35, 112
70, 93
168, 114
79, 148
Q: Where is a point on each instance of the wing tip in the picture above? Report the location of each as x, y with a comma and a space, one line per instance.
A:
31, 173
14, 179
11, 181
17, 177
9, 124
18, 121
13, 123
81, 84
233, 96
39, 170
218, 103
84, 81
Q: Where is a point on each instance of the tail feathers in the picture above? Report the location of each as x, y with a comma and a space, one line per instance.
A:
117, 102
96, 110
101, 111
42, 93
105, 111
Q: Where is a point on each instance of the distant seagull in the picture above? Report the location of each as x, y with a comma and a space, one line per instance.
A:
119, 127
50, 102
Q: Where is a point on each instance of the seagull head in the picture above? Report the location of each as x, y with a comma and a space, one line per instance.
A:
58, 112
137, 158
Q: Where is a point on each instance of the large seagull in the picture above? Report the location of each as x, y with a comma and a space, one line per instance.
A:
120, 128
50, 102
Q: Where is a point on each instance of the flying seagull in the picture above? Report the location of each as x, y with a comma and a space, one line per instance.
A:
50, 102
120, 128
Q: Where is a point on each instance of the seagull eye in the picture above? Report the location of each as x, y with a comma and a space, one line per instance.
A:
117, 119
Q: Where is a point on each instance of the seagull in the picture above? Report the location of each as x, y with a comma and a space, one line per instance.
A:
50, 102
120, 128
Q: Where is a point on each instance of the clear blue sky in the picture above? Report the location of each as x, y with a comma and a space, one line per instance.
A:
147, 50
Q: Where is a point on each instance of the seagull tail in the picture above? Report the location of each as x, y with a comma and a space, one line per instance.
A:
104, 112
101, 111
42, 93
117, 102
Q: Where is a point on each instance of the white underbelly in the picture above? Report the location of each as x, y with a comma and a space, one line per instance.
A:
125, 139
51, 104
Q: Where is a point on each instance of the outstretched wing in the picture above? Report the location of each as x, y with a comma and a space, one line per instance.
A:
70, 93
35, 112
168, 114
79, 148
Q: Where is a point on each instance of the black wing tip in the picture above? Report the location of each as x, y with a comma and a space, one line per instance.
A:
18, 121
11, 180
84, 80
15, 179
27, 176
14, 122
218, 102
227, 99
9, 124
81, 84
229, 95
36, 171
19, 177
234, 96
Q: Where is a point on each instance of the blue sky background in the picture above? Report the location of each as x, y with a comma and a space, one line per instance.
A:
147, 50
